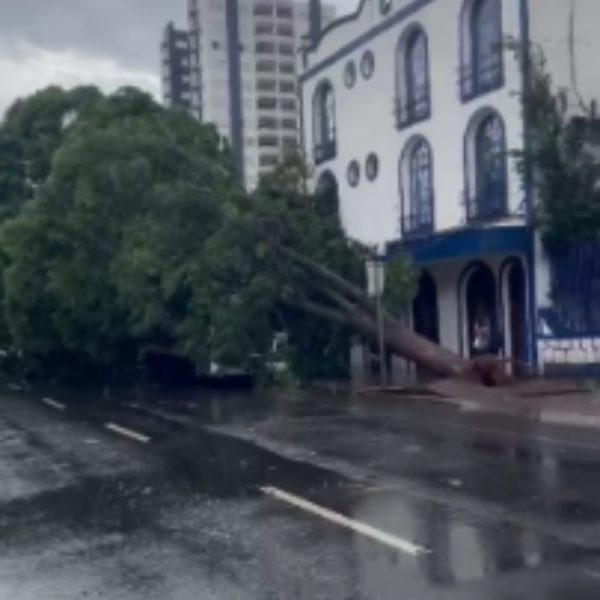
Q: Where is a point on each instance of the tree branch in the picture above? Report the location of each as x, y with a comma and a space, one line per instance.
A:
343, 286
318, 310
337, 299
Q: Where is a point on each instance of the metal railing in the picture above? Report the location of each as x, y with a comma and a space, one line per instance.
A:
487, 206
325, 151
481, 78
418, 224
413, 109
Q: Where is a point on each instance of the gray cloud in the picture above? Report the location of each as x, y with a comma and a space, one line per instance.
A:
69, 42
126, 30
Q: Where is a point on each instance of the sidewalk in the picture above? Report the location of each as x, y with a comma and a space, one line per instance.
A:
545, 401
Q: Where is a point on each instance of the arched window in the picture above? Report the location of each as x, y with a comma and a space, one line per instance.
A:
324, 130
327, 195
416, 172
481, 34
487, 168
413, 97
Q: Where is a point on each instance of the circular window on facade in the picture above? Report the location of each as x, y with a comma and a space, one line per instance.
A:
353, 173
385, 6
372, 167
350, 74
367, 64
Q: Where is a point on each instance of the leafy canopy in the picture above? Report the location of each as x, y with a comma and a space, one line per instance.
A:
128, 231
100, 261
564, 154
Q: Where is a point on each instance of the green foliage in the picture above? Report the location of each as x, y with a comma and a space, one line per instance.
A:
129, 232
400, 285
564, 154
100, 261
30, 134
253, 279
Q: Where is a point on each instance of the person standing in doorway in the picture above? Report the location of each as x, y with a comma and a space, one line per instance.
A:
481, 334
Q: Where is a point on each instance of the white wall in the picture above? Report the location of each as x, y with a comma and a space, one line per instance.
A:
366, 121
446, 277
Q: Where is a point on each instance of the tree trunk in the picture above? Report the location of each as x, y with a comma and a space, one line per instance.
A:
348, 305
405, 343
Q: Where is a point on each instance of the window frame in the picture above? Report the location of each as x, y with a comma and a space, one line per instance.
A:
350, 74
372, 166
472, 83
418, 214
385, 6
324, 127
353, 173
367, 64
410, 95
480, 205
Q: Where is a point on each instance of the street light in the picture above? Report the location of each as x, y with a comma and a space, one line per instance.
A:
375, 281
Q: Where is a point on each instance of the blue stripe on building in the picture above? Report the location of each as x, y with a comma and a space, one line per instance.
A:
392, 21
463, 244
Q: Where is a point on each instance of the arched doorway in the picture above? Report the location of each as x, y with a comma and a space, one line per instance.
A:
327, 195
515, 314
425, 314
482, 327
425, 309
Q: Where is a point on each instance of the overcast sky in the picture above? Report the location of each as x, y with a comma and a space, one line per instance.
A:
67, 42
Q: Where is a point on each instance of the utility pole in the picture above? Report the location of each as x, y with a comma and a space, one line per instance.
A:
375, 271
380, 324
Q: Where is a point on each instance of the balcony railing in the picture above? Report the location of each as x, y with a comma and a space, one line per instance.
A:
325, 151
418, 224
487, 206
484, 77
414, 109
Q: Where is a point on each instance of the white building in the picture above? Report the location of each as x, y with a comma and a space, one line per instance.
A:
243, 70
410, 108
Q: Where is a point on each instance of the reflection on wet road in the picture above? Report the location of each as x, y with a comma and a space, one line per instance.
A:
491, 512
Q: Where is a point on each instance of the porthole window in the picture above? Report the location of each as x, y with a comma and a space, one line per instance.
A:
367, 64
353, 173
350, 74
372, 167
384, 6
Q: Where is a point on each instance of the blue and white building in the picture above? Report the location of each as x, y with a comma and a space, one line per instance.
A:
411, 108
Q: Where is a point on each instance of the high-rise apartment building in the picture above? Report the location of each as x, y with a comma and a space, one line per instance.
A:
243, 75
175, 67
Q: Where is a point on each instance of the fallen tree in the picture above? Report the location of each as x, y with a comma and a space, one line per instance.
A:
294, 240
349, 305
139, 236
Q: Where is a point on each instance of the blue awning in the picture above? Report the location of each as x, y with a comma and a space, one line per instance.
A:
463, 244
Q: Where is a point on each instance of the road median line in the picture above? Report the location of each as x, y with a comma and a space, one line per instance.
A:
128, 433
357, 526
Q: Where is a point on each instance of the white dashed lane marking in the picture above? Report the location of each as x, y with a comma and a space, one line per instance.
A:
128, 433
357, 526
54, 404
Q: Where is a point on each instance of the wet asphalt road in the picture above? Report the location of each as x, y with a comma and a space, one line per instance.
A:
494, 509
